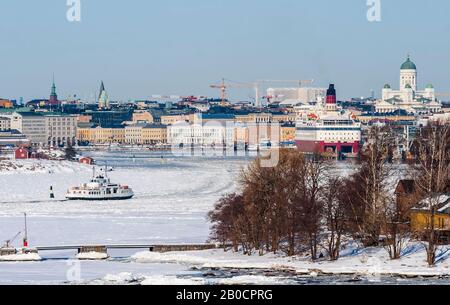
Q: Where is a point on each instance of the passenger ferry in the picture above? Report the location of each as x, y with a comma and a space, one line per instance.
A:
100, 188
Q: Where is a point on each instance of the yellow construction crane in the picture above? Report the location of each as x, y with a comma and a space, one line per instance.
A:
233, 84
223, 91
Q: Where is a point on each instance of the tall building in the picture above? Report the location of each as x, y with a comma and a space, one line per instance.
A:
103, 99
408, 98
46, 129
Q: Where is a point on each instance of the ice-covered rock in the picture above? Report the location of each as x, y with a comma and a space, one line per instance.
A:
29, 257
92, 256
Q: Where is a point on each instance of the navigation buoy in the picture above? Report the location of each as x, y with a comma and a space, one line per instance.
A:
52, 195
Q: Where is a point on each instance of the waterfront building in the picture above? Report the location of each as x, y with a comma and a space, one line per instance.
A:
213, 133
61, 129
45, 128
133, 134
98, 135
154, 134
32, 125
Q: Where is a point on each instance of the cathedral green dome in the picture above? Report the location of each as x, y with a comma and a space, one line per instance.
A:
429, 86
408, 65
387, 86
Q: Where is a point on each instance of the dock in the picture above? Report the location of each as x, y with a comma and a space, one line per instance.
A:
162, 248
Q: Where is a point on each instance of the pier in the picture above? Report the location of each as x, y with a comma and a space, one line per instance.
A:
162, 248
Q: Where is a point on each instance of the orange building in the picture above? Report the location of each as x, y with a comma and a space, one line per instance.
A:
6, 104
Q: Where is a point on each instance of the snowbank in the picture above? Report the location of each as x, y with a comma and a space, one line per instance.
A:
171, 280
92, 256
30, 257
370, 261
34, 166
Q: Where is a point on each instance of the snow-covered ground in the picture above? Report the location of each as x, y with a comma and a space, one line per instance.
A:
173, 196
371, 261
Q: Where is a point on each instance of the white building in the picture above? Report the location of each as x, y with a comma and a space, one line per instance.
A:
32, 125
408, 97
206, 134
301, 94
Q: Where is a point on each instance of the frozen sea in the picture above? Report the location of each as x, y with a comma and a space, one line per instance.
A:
173, 195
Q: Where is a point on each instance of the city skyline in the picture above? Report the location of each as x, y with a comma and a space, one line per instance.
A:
181, 49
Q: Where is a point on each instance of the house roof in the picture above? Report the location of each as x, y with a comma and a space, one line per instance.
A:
405, 187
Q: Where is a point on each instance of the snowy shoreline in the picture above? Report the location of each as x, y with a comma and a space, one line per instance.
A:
371, 262
34, 166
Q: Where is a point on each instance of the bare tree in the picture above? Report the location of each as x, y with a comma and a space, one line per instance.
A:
371, 186
333, 196
395, 228
431, 171
309, 202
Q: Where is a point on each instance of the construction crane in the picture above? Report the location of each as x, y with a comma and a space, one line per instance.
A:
255, 85
10, 241
223, 91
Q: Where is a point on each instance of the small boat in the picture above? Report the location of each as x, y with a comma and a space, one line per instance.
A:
100, 188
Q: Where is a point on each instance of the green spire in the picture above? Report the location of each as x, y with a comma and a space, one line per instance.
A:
53, 86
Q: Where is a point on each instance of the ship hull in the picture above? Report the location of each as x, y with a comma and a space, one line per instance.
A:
322, 146
99, 198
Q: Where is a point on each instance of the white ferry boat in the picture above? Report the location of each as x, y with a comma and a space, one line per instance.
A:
100, 188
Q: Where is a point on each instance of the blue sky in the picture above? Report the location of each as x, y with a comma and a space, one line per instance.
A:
145, 47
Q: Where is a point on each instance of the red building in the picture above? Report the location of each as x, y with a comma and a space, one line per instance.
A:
22, 153
86, 160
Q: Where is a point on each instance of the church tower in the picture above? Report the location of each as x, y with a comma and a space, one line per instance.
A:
103, 99
408, 75
53, 96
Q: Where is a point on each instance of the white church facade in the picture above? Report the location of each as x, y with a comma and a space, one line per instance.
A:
408, 98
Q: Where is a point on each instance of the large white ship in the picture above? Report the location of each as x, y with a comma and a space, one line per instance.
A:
327, 129
100, 188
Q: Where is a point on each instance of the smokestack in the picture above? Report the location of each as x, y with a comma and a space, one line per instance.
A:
331, 95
